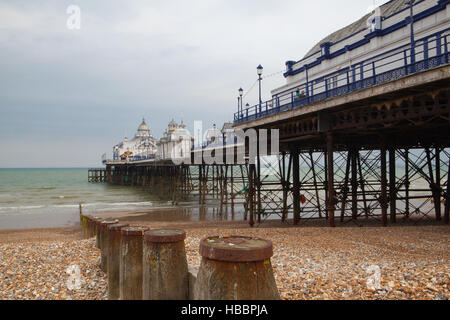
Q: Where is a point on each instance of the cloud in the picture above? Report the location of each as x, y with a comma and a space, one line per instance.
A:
158, 59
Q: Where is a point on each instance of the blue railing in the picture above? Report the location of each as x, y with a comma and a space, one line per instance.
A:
385, 67
140, 158
131, 158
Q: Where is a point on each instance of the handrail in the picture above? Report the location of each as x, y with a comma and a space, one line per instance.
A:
396, 64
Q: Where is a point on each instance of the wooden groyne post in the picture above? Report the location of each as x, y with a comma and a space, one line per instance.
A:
165, 274
235, 268
114, 235
131, 248
103, 243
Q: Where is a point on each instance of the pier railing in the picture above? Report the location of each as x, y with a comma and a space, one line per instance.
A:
386, 67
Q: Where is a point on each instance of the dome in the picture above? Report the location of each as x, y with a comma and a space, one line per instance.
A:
143, 130
143, 126
172, 125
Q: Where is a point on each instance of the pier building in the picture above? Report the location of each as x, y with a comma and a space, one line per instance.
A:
141, 146
176, 142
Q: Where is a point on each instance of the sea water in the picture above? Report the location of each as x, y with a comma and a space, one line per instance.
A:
44, 198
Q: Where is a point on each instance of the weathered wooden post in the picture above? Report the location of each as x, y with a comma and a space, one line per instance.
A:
98, 228
84, 225
114, 235
131, 248
103, 243
165, 273
235, 268
92, 226
88, 225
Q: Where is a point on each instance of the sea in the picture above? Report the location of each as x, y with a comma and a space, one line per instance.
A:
47, 198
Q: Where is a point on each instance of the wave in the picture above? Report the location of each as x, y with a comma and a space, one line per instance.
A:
64, 197
21, 208
41, 188
95, 205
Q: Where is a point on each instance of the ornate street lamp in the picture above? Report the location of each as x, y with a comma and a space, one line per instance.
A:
259, 70
241, 92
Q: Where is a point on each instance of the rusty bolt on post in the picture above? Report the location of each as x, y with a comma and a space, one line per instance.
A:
131, 249
165, 273
235, 268
103, 243
113, 261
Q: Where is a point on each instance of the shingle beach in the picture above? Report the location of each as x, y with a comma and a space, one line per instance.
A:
308, 262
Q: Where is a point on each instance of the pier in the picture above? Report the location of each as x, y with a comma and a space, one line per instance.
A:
337, 160
366, 138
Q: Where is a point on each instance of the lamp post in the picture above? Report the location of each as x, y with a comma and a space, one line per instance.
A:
241, 92
259, 70
239, 106
411, 18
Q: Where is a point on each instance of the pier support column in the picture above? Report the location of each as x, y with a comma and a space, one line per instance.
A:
434, 185
407, 183
345, 187
296, 184
108, 174
251, 193
437, 188
330, 180
354, 178
285, 184
447, 198
383, 195
392, 186
258, 158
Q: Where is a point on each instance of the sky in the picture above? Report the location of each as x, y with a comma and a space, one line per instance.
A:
68, 95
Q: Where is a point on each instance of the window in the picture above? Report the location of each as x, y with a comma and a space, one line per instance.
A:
332, 82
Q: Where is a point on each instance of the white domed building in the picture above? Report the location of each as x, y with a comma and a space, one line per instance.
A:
142, 146
176, 142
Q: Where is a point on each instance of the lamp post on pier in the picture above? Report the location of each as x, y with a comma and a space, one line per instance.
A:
259, 70
241, 92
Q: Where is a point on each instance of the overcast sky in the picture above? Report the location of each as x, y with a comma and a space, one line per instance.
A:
67, 96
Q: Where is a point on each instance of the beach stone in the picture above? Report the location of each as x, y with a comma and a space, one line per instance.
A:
235, 268
165, 273
114, 235
103, 243
131, 252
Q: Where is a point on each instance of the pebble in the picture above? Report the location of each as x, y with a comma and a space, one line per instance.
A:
39, 271
309, 263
